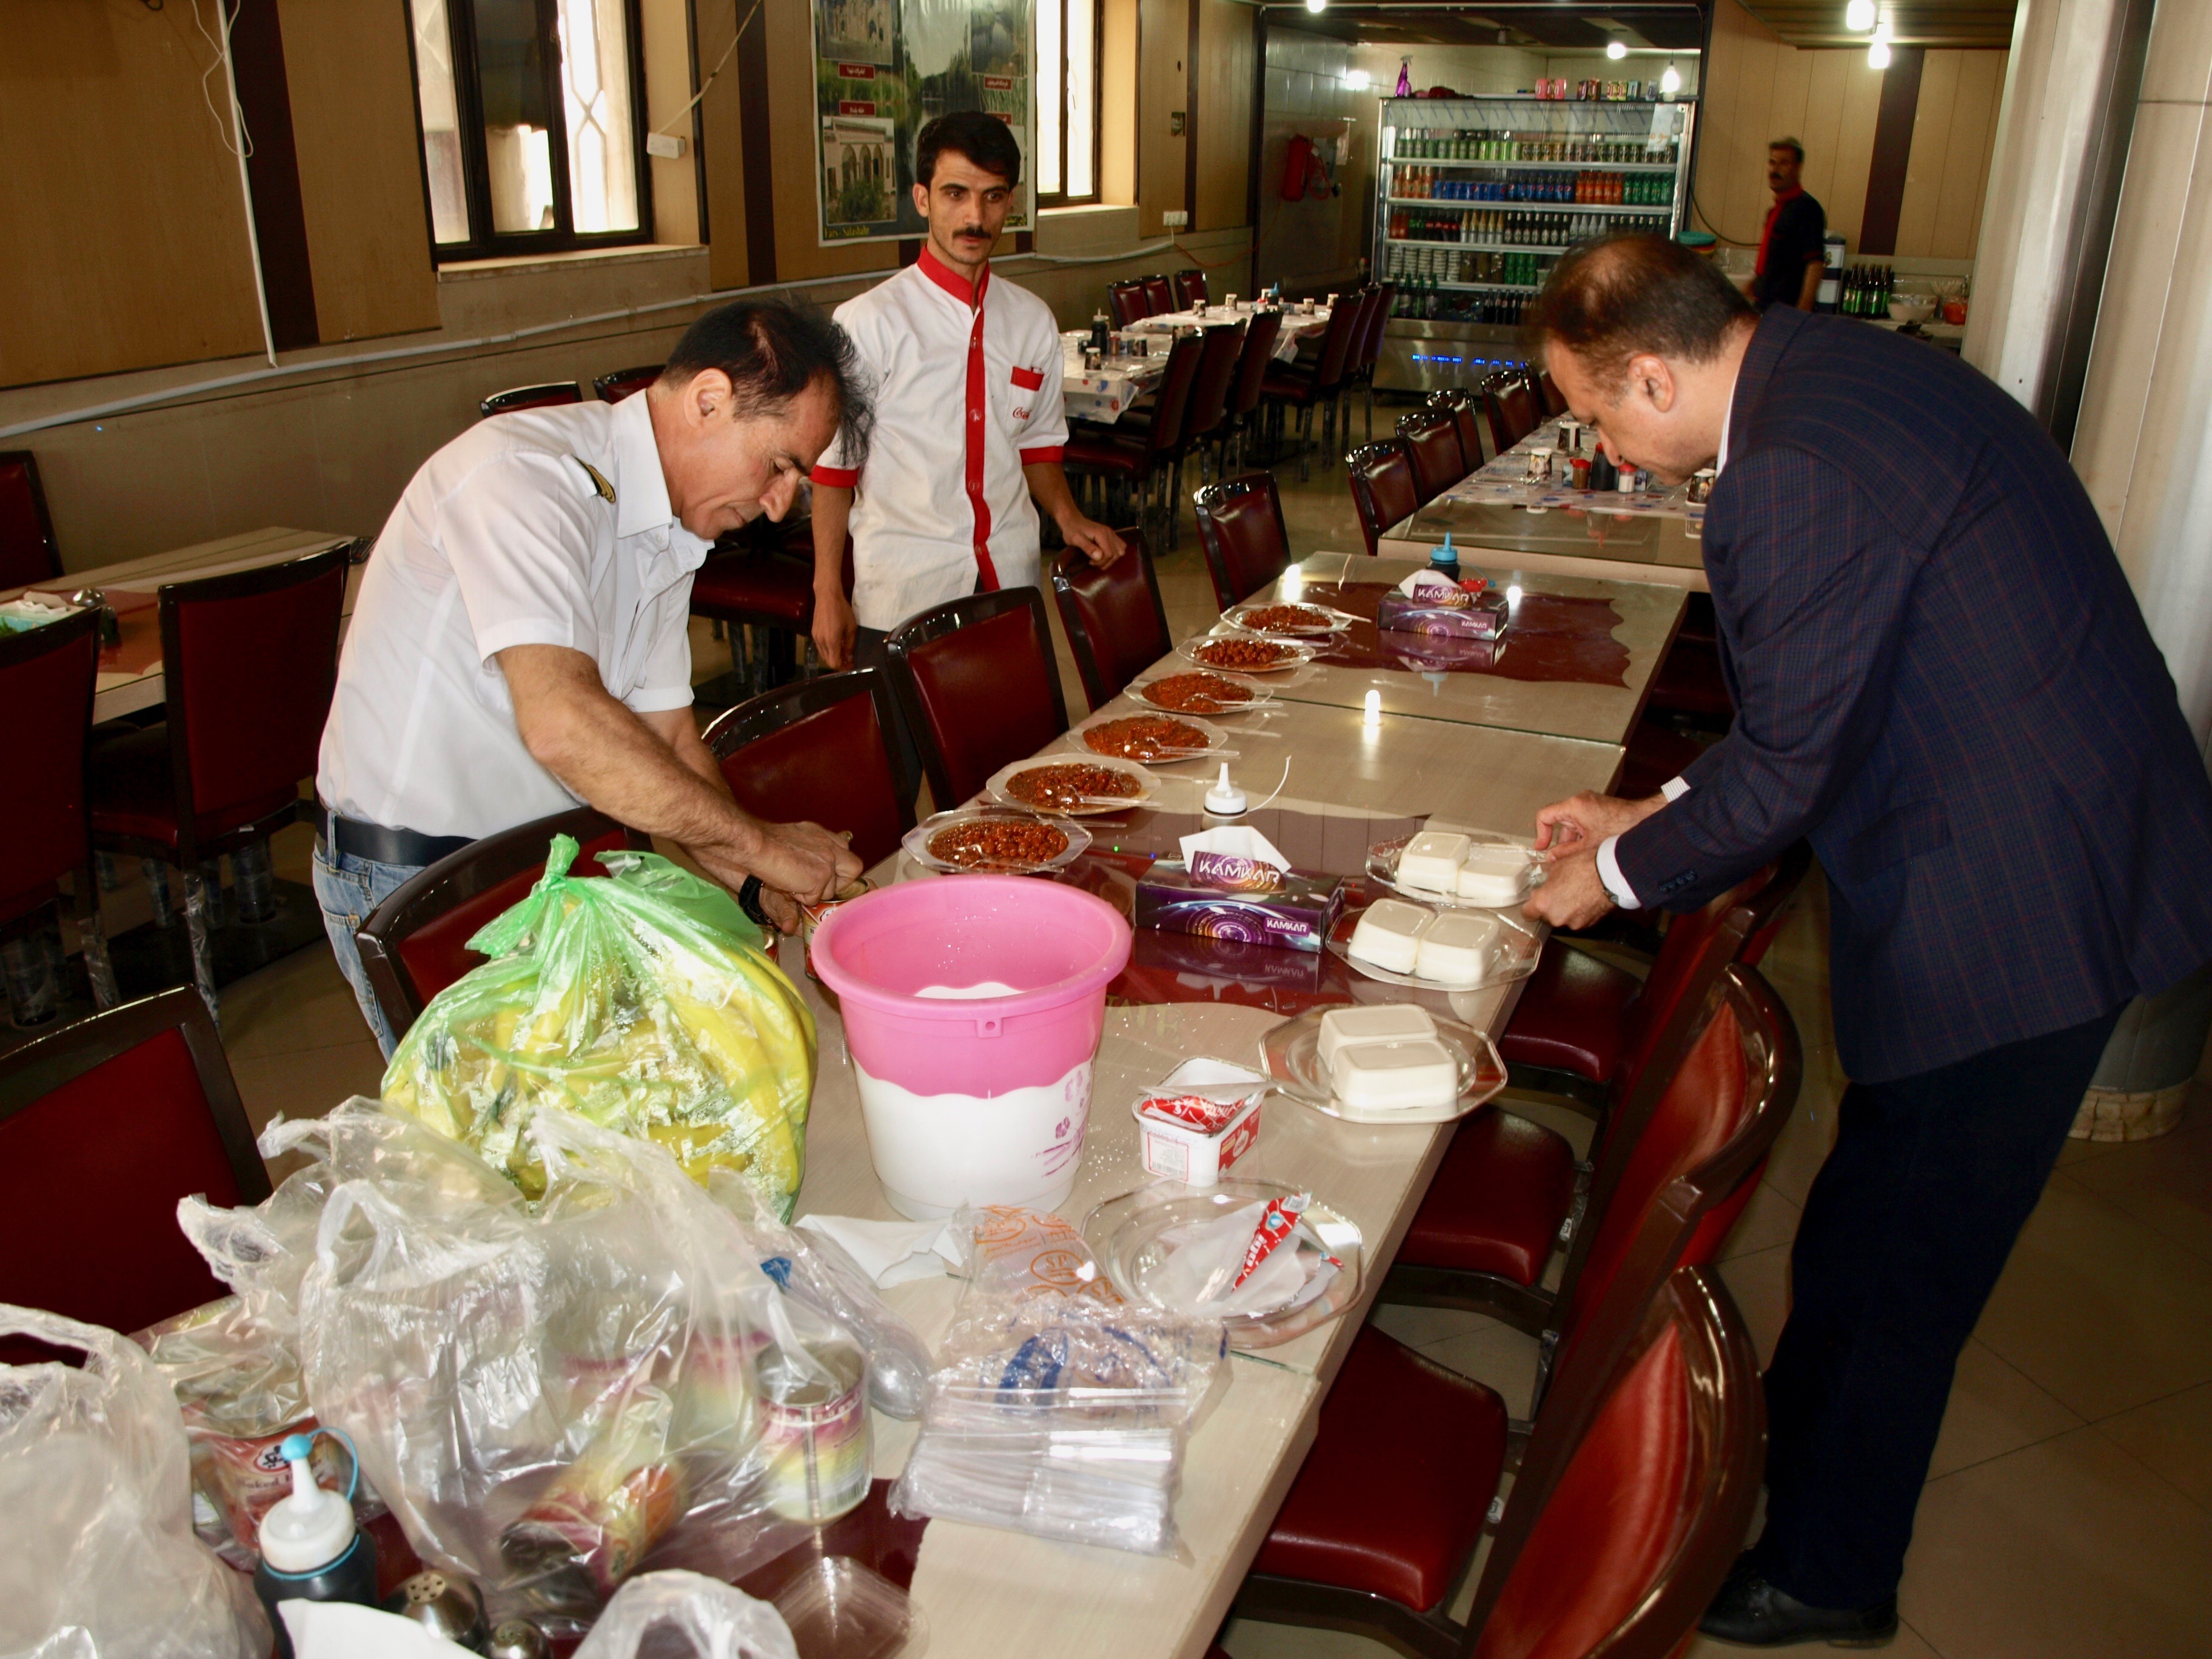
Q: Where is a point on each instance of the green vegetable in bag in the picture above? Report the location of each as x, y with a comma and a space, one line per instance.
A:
644, 1002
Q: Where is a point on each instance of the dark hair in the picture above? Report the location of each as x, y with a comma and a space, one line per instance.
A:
985, 140
772, 351
1791, 145
1611, 298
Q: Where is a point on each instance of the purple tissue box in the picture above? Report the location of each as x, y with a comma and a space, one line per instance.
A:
1483, 618
1295, 914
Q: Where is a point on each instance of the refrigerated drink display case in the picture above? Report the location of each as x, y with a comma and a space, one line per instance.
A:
1476, 197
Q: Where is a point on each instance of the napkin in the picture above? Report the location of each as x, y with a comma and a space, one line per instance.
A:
346, 1630
889, 1252
1426, 584
1205, 1257
1234, 857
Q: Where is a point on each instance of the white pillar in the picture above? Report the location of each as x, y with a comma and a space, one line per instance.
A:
2143, 445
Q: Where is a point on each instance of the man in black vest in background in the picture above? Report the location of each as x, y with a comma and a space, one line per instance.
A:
1793, 244
1942, 681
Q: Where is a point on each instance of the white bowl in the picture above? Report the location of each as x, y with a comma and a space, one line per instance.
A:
1917, 308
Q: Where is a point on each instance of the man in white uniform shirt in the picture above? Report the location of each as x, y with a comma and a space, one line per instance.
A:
968, 423
520, 641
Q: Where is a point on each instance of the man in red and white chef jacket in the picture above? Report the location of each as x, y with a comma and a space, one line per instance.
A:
968, 425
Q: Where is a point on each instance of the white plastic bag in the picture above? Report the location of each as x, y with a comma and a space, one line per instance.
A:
686, 1615
101, 1562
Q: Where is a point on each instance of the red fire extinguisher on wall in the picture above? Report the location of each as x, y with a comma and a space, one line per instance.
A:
1304, 173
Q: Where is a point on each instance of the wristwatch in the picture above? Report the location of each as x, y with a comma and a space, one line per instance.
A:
748, 901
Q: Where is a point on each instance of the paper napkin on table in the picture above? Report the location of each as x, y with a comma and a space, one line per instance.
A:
345, 1629
889, 1252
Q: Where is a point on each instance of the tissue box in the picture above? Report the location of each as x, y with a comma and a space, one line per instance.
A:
1192, 1139
1483, 618
1295, 915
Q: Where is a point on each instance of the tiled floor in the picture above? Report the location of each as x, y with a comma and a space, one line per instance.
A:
2070, 1509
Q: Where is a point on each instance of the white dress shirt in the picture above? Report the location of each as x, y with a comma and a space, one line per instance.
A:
548, 526
1609, 856
968, 394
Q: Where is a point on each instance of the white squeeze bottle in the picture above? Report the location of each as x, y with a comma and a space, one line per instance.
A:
311, 1550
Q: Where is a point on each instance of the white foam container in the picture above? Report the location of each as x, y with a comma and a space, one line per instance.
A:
1185, 1153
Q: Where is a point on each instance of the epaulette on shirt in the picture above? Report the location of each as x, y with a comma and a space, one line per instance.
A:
598, 478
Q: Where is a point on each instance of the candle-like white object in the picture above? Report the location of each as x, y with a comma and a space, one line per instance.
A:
1373, 716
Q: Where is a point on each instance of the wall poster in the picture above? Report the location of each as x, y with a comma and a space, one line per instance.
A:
883, 69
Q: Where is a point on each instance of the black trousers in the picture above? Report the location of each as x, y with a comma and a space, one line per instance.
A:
1905, 1231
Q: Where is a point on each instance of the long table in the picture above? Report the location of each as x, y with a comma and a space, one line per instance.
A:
988, 1593
1577, 662
130, 671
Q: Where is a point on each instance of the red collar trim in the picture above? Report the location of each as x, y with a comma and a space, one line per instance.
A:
951, 281
1788, 195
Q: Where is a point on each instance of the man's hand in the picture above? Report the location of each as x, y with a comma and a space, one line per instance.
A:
833, 626
1572, 895
1589, 818
811, 864
1099, 544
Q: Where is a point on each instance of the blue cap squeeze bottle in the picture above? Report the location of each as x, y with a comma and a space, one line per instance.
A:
1445, 559
311, 1549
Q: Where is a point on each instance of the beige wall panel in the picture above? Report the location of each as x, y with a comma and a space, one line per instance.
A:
722, 151
666, 48
1854, 149
1225, 114
352, 92
1162, 88
1824, 121
1966, 171
124, 221
1793, 94
1931, 145
799, 252
1117, 104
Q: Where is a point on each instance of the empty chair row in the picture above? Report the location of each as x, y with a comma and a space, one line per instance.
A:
610, 388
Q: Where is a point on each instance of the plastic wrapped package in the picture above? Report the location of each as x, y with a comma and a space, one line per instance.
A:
101, 1562
1057, 1412
643, 1002
551, 1396
686, 1615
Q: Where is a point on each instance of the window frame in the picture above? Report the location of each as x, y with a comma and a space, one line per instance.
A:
484, 242
1062, 197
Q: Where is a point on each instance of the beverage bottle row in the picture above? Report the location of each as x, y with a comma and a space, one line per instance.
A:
1421, 298
1512, 227
1460, 144
1868, 290
1449, 264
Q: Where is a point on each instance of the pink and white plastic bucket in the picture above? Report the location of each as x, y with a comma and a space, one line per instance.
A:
973, 1008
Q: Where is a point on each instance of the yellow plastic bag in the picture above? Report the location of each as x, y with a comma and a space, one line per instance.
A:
642, 1000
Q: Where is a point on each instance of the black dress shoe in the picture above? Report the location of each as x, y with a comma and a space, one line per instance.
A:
1754, 1614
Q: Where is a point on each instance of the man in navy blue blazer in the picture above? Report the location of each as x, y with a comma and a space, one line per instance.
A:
1942, 681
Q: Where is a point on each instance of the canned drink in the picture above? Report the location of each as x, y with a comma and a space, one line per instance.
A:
1701, 484
595, 1523
814, 1432
810, 916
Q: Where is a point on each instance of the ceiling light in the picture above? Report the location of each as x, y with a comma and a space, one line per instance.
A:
1316, 5
1878, 53
1671, 81
1858, 17
1355, 80
1616, 49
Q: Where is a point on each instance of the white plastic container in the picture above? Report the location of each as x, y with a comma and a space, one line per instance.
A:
1458, 947
1431, 860
1388, 935
1391, 1022
1495, 874
1396, 1076
1198, 1148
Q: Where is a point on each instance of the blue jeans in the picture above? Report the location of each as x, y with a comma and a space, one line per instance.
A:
348, 888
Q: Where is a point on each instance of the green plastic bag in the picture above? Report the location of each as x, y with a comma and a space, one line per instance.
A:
642, 1000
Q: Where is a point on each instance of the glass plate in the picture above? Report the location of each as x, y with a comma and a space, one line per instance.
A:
1516, 960
1295, 656
917, 841
1215, 737
1261, 694
1124, 1233
996, 788
1338, 620
1291, 1053
1382, 869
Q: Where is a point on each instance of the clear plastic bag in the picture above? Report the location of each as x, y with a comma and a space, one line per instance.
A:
551, 1397
686, 1615
100, 1561
641, 1001
1054, 1411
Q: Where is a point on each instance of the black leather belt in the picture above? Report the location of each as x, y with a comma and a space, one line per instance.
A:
378, 841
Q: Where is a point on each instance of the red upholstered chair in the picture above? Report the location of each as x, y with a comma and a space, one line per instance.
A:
416, 944
1240, 525
1189, 289
1513, 412
1159, 295
531, 397
1206, 413
618, 384
1117, 625
249, 661
818, 751
1383, 492
1321, 386
1126, 302
980, 686
27, 551
46, 678
1548, 396
1460, 405
1262, 331
1392, 1498
1432, 440
103, 1125
1367, 350
1137, 454
762, 576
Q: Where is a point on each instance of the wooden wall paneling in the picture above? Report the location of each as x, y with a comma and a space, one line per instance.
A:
1893, 150
1855, 148
1793, 93
280, 226
1824, 120
1931, 154
1223, 146
793, 153
722, 149
665, 47
359, 168
125, 223
1162, 86
1117, 104
1966, 160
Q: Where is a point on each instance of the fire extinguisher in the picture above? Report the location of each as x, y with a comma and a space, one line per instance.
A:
1304, 173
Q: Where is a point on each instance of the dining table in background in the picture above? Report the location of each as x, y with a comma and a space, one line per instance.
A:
1297, 324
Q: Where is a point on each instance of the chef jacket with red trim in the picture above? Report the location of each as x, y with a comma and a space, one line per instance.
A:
968, 394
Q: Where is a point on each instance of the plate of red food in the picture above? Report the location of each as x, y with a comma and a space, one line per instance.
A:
1201, 691
1244, 653
1279, 621
1062, 786
1154, 739
995, 840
